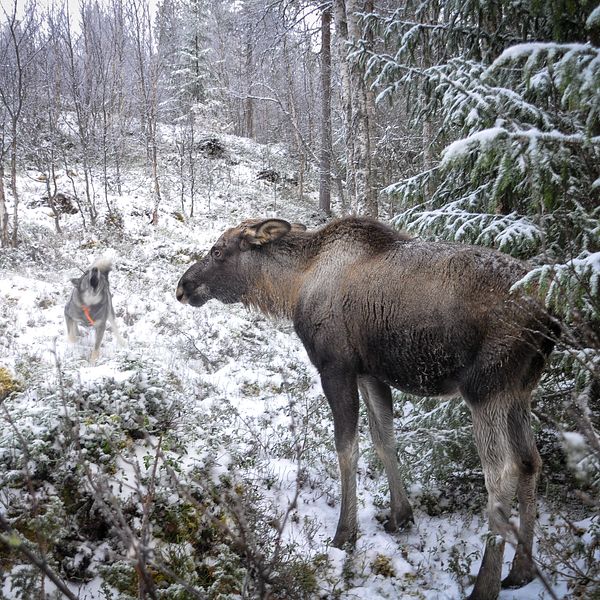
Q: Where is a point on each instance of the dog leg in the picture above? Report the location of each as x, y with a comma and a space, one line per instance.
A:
115, 330
100, 329
72, 329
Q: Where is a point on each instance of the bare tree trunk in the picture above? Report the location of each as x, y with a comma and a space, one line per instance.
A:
192, 163
428, 124
296, 125
13, 94
427, 127
118, 91
153, 125
13, 181
52, 196
69, 174
155, 177
363, 197
341, 23
148, 71
105, 134
249, 102
326, 144
372, 206
4, 237
181, 146
82, 118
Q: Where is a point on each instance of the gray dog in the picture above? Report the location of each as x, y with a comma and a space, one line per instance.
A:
91, 305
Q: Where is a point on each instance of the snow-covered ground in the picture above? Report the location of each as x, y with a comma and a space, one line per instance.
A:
242, 398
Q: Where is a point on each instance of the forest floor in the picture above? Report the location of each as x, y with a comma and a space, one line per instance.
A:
242, 402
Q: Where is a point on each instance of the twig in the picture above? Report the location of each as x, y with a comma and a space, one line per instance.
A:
13, 540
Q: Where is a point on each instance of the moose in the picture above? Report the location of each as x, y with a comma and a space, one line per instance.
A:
376, 308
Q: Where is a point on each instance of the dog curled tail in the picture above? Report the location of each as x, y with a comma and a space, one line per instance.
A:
104, 264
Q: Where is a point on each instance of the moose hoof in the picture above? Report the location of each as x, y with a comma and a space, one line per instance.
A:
344, 539
522, 571
481, 596
517, 579
482, 592
400, 522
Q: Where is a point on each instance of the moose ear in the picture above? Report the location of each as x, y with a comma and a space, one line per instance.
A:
265, 232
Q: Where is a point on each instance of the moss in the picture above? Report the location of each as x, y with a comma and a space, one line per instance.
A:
8, 384
122, 577
8, 552
382, 565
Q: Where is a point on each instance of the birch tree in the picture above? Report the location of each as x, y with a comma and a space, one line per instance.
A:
148, 67
18, 53
80, 83
4, 235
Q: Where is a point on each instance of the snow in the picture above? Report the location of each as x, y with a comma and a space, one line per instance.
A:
461, 147
531, 135
519, 51
237, 372
594, 18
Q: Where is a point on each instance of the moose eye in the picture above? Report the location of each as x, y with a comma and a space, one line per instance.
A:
217, 253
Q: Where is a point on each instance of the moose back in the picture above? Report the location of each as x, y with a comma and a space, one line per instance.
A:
376, 308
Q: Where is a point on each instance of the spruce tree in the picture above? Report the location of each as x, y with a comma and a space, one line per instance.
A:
513, 93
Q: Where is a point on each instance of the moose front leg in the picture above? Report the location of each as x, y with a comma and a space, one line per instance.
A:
342, 394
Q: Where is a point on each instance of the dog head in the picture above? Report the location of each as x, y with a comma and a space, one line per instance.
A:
92, 286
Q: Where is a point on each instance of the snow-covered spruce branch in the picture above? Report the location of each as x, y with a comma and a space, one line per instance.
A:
532, 50
460, 83
533, 135
395, 25
501, 231
558, 280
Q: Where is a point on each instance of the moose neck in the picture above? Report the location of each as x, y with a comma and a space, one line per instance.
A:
280, 269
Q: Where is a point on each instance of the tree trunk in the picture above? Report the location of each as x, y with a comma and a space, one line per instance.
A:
295, 120
372, 190
248, 124
358, 108
155, 177
326, 145
364, 197
4, 238
13, 183
192, 163
341, 27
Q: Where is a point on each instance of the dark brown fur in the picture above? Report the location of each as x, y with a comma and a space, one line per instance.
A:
375, 308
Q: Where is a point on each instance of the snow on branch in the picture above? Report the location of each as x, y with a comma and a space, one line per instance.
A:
452, 221
488, 136
572, 285
532, 50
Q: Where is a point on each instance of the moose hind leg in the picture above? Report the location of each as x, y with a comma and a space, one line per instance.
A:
342, 394
529, 462
490, 428
378, 399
